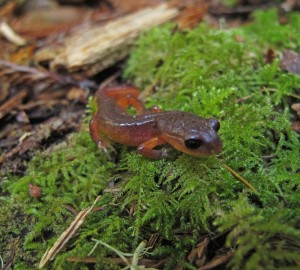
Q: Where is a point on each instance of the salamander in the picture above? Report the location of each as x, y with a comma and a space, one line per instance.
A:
186, 132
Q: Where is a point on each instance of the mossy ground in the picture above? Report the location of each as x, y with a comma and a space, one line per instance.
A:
204, 71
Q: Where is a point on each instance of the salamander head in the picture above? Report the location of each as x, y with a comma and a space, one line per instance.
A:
191, 134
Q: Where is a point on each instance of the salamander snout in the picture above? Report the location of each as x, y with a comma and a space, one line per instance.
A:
205, 141
204, 145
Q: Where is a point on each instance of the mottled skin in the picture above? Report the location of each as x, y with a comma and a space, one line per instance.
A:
186, 132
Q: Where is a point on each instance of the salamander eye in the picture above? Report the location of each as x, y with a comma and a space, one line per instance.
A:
192, 143
215, 124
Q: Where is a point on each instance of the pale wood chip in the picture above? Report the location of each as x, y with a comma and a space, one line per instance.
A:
10, 35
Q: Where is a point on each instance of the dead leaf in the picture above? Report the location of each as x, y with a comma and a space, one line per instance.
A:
217, 261
34, 191
290, 62
296, 108
296, 126
270, 56
12, 103
192, 16
198, 255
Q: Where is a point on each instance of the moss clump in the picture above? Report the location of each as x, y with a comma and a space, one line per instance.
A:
204, 71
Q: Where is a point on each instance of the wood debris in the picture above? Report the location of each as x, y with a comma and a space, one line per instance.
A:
198, 255
94, 49
218, 261
31, 140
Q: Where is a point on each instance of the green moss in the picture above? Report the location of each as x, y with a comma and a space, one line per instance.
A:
204, 71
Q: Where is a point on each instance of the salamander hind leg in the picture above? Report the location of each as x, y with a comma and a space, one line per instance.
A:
121, 90
126, 96
146, 148
126, 101
102, 143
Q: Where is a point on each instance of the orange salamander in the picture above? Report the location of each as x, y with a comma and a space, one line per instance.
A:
148, 129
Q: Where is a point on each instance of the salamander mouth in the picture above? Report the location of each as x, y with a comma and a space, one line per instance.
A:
217, 147
214, 149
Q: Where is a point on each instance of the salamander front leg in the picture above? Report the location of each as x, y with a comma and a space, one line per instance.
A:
146, 148
103, 144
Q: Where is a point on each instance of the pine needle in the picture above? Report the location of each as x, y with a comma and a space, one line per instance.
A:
239, 177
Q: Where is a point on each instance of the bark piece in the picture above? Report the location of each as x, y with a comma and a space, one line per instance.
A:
94, 49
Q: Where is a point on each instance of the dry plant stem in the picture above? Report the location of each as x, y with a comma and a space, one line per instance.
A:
140, 250
137, 254
66, 235
121, 254
97, 48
